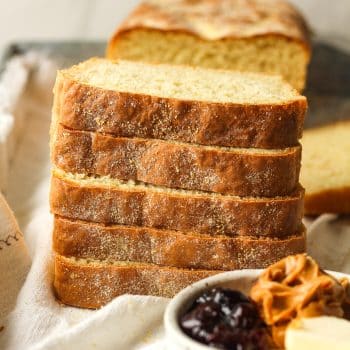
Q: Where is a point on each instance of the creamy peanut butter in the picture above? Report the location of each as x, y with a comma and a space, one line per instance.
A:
296, 287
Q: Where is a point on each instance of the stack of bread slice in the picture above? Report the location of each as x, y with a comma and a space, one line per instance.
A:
163, 175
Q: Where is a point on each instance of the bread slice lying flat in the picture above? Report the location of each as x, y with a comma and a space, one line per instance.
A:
170, 248
242, 172
110, 201
325, 169
248, 35
91, 283
210, 107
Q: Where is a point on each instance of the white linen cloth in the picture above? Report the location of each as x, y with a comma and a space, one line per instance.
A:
12, 84
30, 316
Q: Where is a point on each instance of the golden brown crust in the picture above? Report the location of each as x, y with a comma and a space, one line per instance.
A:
329, 201
83, 107
237, 172
170, 248
93, 285
176, 210
228, 19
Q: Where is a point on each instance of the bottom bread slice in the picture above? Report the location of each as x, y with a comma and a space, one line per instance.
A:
92, 283
170, 248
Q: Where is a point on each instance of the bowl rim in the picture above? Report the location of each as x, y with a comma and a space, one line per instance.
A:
173, 332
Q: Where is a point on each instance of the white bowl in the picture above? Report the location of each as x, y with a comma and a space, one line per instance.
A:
241, 280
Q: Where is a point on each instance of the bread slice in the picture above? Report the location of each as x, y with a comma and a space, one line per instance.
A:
248, 35
170, 248
242, 172
325, 171
110, 201
91, 283
209, 107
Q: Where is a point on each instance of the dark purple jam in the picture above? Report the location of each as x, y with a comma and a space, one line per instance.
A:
225, 319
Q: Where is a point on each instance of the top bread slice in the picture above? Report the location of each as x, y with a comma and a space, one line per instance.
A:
325, 170
268, 36
195, 105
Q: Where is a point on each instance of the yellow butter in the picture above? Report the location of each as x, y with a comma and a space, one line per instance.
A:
321, 333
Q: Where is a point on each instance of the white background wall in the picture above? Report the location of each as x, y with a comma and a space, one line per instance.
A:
96, 19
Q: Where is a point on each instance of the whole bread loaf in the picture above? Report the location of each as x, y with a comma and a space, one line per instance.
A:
170, 248
241, 172
106, 200
203, 106
248, 35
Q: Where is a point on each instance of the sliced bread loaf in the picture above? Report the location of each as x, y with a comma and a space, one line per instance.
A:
241, 172
247, 35
111, 201
210, 107
325, 170
170, 248
92, 283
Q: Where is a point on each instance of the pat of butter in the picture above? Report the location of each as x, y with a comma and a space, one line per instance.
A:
321, 333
